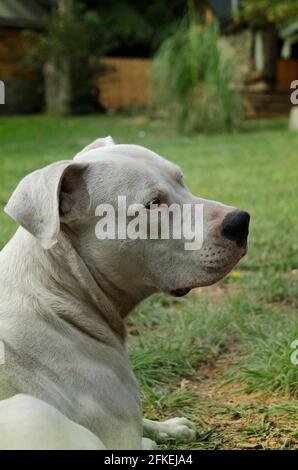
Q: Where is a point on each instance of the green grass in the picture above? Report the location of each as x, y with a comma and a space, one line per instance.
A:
249, 330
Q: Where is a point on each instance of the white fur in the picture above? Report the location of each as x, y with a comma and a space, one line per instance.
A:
27, 423
178, 429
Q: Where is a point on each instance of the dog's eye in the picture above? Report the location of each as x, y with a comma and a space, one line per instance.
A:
153, 204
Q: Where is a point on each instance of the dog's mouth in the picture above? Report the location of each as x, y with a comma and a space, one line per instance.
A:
215, 271
180, 292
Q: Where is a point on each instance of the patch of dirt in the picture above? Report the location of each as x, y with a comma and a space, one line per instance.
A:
229, 285
215, 293
294, 273
243, 420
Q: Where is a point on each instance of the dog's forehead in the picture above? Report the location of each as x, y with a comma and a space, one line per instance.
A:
130, 155
135, 151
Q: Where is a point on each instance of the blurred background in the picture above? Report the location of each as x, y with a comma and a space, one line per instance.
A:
68, 56
207, 84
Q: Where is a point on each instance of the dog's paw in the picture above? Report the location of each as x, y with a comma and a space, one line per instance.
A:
178, 429
148, 444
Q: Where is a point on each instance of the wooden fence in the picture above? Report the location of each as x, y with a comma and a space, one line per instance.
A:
125, 83
286, 72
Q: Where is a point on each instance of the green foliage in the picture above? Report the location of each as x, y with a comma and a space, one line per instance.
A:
192, 82
138, 27
259, 12
76, 39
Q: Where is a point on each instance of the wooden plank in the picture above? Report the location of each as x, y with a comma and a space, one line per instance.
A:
125, 83
286, 72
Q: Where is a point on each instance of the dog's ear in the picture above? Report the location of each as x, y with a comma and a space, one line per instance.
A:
103, 142
44, 196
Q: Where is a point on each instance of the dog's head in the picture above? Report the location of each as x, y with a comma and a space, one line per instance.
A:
75, 196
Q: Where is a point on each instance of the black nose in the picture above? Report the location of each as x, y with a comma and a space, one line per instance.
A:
235, 227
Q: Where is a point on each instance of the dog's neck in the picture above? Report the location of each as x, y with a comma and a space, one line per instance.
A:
93, 293
64, 286
121, 293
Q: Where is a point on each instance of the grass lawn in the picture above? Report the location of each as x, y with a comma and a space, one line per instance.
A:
220, 356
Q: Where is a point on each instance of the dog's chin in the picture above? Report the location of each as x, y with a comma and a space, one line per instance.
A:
211, 277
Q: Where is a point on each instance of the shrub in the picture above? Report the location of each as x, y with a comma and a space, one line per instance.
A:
69, 55
192, 82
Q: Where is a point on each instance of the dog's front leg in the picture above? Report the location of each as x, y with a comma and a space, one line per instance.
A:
178, 429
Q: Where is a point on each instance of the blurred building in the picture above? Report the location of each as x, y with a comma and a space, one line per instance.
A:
24, 91
266, 58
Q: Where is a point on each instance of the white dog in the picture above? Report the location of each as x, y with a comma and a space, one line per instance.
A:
66, 382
